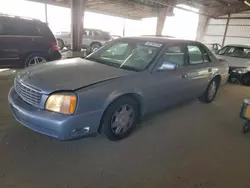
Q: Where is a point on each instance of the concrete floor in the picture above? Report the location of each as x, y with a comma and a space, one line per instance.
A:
190, 146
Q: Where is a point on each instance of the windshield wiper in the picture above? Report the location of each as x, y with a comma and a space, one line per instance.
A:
109, 63
129, 68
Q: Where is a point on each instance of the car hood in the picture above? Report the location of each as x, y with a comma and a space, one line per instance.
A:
235, 62
68, 74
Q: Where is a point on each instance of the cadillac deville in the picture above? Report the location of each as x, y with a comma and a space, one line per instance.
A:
111, 89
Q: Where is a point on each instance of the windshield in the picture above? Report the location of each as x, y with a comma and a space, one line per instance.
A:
235, 51
127, 54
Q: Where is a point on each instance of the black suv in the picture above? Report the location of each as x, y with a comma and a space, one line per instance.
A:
26, 42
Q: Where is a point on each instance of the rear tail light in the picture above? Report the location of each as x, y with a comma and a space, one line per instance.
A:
54, 46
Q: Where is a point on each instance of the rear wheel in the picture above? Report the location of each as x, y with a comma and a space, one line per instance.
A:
211, 91
95, 46
120, 119
35, 59
245, 127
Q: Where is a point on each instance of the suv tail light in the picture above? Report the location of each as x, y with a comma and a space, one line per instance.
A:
54, 46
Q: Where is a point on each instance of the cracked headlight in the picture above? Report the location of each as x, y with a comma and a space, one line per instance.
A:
61, 103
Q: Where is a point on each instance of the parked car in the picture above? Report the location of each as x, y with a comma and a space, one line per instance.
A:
110, 90
214, 47
92, 39
25, 42
238, 57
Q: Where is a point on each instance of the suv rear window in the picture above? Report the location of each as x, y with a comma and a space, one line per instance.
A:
18, 27
45, 31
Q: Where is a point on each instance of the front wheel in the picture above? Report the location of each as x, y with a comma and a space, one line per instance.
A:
245, 127
211, 91
120, 119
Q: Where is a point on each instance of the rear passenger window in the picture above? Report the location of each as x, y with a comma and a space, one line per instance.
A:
195, 55
174, 55
18, 27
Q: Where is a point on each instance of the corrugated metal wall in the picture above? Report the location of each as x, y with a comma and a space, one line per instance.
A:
238, 31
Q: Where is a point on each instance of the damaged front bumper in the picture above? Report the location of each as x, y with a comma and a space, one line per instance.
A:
239, 74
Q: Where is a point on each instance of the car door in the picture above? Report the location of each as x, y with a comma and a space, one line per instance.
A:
8, 45
199, 68
19, 38
170, 86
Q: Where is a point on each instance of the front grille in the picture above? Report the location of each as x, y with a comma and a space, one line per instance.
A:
28, 94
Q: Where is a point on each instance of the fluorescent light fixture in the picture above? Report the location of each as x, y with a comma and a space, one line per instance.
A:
247, 2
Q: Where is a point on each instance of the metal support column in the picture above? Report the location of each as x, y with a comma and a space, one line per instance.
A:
77, 15
225, 33
202, 26
46, 13
124, 28
161, 18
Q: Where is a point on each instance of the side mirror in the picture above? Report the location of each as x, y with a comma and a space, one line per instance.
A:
167, 66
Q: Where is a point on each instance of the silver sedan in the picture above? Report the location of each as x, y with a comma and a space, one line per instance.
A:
110, 90
238, 57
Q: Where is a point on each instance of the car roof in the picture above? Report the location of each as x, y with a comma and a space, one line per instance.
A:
6, 16
239, 45
211, 43
162, 40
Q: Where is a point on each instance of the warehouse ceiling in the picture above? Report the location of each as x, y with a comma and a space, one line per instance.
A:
137, 9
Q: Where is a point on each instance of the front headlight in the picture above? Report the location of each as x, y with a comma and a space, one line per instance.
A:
61, 103
242, 70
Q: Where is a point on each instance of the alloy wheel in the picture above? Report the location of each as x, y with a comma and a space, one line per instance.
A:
122, 119
212, 90
36, 60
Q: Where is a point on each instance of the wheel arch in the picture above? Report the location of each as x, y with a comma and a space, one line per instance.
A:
135, 96
95, 42
217, 77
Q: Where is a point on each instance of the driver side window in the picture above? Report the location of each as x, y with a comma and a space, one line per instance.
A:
174, 55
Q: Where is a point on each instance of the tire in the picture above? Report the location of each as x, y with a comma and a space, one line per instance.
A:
245, 80
206, 97
28, 59
231, 79
61, 44
110, 118
245, 127
95, 46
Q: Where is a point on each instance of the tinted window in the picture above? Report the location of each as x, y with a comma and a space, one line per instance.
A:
45, 31
96, 33
195, 55
18, 27
174, 55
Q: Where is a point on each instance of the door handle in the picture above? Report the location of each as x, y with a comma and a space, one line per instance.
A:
210, 70
184, 76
